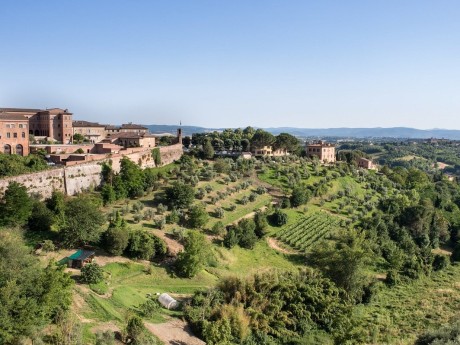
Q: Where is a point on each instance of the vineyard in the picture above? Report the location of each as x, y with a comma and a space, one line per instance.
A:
308, 230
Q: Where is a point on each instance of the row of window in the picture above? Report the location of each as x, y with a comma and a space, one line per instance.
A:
12, 125
15, 135
7, 149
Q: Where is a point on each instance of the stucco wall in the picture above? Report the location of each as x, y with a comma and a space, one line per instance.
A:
77, 178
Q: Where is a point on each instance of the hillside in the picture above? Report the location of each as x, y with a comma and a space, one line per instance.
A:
393, 132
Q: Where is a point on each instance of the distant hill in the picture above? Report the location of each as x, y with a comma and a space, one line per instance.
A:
378, 132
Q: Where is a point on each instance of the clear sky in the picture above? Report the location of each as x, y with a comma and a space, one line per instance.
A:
233, 63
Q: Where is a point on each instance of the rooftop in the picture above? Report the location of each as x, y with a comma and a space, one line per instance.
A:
12, 117
81, 123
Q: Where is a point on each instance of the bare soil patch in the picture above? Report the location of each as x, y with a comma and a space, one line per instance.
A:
173, 246
174, 332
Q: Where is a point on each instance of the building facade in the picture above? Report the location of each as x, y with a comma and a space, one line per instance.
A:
53, 124
325, 152
127, 140
14, 135
365, 163
93, 132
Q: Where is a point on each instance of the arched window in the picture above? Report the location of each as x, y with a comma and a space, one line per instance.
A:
7, 149
19, 150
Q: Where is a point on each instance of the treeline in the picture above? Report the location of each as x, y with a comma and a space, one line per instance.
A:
243, 140
421, 214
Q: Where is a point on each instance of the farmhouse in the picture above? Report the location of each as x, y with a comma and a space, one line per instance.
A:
325, 152
365, 163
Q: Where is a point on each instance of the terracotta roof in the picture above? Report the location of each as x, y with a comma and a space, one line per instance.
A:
81, 123
132, 126
129, 135
12, 117
19, 110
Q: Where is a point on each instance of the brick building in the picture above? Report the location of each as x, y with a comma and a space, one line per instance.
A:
14, 136
92, 131
129, 139
53, 124
325, 152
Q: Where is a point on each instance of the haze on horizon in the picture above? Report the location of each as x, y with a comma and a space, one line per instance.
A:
310, 64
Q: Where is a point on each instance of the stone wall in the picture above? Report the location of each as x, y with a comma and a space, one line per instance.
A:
74, 179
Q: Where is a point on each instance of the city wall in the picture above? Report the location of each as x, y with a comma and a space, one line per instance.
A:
76, 178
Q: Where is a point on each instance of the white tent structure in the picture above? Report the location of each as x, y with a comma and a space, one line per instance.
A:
167, 301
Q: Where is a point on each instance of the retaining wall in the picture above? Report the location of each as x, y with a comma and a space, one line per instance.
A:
74, 179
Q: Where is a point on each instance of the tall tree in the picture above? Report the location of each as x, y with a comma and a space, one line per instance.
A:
285, 141
180, 195
262, 138
208, 150
15, 206
83, 221
195, 254
343, 261
30, 296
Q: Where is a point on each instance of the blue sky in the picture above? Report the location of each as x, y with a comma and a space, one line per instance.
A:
236, 63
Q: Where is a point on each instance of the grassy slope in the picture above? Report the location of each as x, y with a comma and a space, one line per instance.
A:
401, 313
395, 317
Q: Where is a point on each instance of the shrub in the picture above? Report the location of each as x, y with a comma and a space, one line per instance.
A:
137, 218
219, 212
92, 273
48, 246
173, 217
440, 262
137, 206
149, 307
116, 240
218, 229
197, 216
279, 218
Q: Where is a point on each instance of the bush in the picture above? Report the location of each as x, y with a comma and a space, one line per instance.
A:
137, 218
116, 240
279, 218
440, 262
48, 246
173, 217
197, 216
149, 307
218, 229
300, 196
285, 203
137, 206
92, 273
219, 212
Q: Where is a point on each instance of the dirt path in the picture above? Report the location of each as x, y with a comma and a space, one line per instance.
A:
173, 246
249, 215
174, 332
273, 243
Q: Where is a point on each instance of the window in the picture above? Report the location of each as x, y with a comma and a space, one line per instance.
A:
8, 125
23, 134
20, 125
8, 135
15, 135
